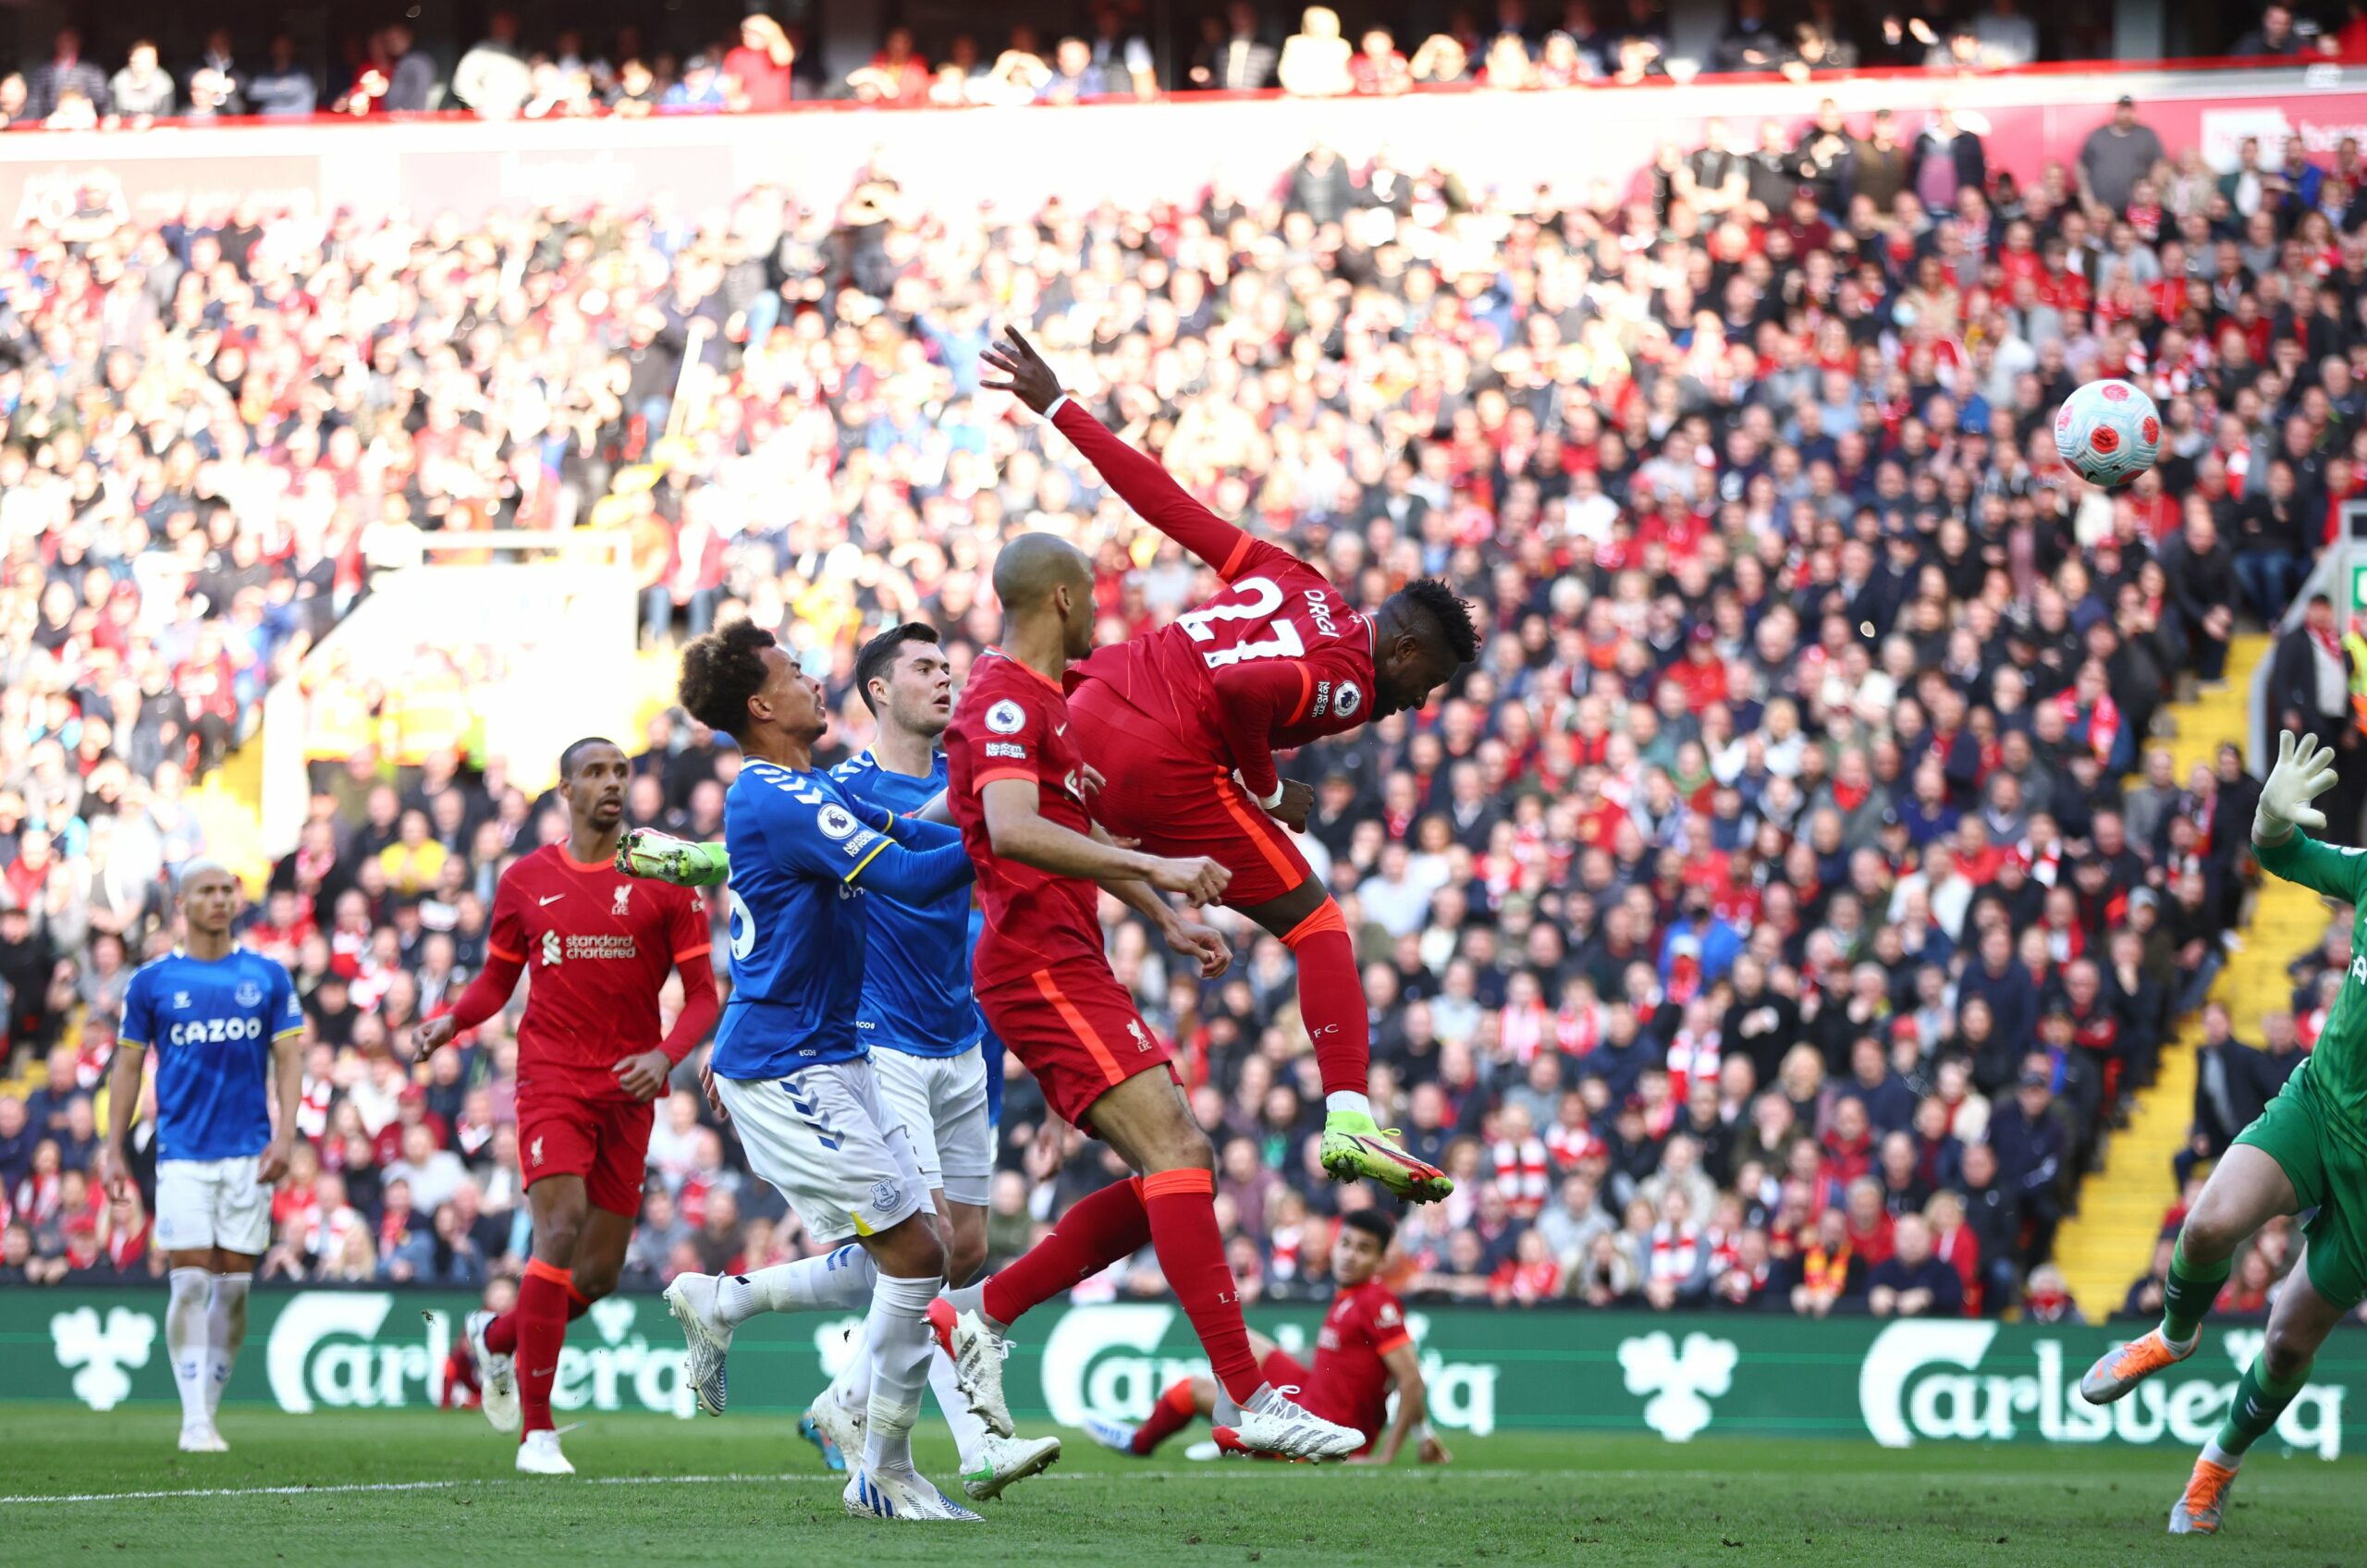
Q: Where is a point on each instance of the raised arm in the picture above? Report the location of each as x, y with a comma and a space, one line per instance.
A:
1138, 479
2302, 773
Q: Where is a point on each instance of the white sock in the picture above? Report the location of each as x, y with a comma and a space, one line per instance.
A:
226, 1331
185, 1342
837, 1279
2220, 1456
969, 1432
898, 1343
1347, 1102
852, 1387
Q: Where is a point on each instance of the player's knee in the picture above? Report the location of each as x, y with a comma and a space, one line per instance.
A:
966, 1255
1183, 1147
912, 1250
2285, 1350
555, 1235
594, 1277
2212, 1231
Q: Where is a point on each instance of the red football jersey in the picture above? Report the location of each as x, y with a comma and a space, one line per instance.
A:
1013, 723
596, 947
1351, 1380
1278, 659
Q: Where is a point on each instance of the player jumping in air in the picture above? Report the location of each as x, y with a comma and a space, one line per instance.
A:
922, 1025
228, 1035
1184, 722
1362, 1349
790, 1065
1017, 789
2307, 1150
590, 1062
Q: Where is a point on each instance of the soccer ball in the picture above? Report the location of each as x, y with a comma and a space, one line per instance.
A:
2109, 431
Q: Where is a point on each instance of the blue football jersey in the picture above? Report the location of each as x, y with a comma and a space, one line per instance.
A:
799, 926
212, 1025
916, 995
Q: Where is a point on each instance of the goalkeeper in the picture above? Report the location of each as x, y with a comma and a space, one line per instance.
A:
2308, 1150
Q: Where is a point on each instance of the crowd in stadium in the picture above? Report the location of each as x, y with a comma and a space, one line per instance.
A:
506, 75
1776, 917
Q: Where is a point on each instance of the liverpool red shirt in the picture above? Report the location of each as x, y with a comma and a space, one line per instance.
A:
1013, 723
596, 947
1276, 660
1351, 1379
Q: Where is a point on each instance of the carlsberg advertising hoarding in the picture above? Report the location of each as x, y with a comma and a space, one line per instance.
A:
1676, 1377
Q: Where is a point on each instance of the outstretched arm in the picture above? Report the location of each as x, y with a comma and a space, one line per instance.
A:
2302, 773
1017, 828
1138, 479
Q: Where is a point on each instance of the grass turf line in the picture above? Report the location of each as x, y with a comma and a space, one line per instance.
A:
297, 1489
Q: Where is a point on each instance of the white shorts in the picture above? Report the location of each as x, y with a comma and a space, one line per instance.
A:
212, 1203
834, 1150
942, 1102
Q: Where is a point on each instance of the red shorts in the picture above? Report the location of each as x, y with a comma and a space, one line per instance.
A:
1286, 1371
605, 1142
1078, 1032
1178, 805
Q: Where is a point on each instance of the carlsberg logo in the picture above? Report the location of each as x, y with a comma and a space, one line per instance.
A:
1926, 1380
1108, 1361
339, 1351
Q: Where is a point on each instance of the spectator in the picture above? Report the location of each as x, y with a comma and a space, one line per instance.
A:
1121, 57
1378, 69
896, 74
1315, 59
216, 84
1947, 158
2117, 154
2008, 40
2034, 1156
1750, 44
282, 89
1440, 61
1234, 60
2274, 38
760, 70
1074, 75
701, 91
63, 76
411, 79
141, 92
492, 77
1911, 1282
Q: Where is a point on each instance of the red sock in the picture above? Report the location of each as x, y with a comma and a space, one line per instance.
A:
1331, 1000
1182, 1205
1169, 1415
501, 1334
543, 1300
1098, 1231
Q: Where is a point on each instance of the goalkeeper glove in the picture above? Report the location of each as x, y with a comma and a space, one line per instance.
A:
2302, 773
660, 857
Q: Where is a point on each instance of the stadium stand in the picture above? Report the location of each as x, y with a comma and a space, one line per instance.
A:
1772, 876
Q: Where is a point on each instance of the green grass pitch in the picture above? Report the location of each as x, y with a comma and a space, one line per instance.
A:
435, 1487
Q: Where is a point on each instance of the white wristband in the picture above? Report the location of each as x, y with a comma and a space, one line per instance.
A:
1422, 1433
1268, 802
1056, 404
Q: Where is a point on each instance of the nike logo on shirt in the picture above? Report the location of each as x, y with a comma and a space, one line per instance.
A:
553, 899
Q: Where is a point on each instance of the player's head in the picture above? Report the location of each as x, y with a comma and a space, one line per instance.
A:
740, 683
1039, 576
1362, 1245
1421, 636
906, 679
591, 778
209, 898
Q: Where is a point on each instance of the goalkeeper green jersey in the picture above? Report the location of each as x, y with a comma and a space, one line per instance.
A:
2336, 1070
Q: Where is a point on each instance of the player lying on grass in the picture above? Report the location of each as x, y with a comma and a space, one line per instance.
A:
2307, 1150
922, 1026
1362, 1350
593, 1058
228, 1035
1184, 723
